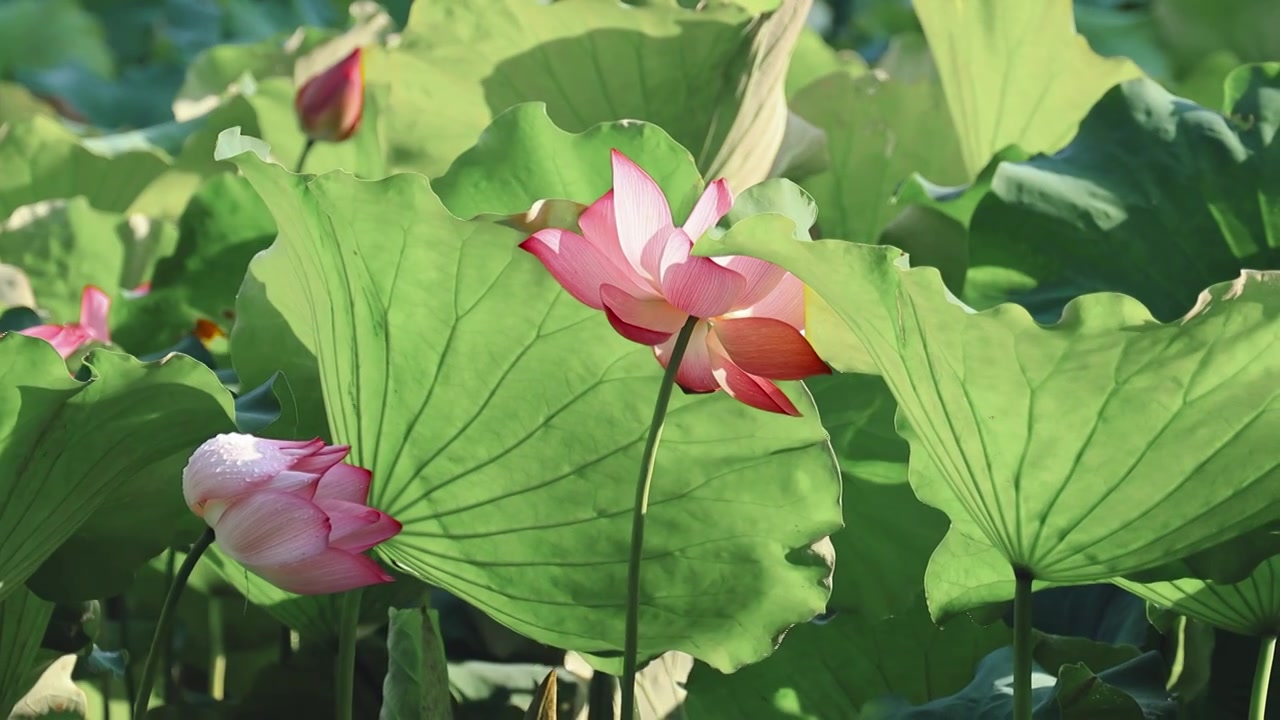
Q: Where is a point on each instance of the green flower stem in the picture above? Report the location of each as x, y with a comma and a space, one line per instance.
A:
166, 619
641, 509
1262, 678
1022, 646
302, 159
348, 623
217, 650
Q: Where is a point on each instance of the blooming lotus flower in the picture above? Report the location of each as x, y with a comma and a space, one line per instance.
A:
633, 263
69, 338
330, 104
290, 511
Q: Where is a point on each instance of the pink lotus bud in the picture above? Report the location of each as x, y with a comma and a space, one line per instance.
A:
290, 511
69, 338
330, 104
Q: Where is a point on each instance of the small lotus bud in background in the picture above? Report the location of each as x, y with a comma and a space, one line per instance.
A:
330, 104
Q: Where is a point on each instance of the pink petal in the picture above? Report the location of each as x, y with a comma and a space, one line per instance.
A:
66, 339
577, 265
694, 374
716, 200
785, 302
643, 216
330, 571
355, 527
762, 278
647, 321
297, 448
230, 465
699, 286
768, 348
324, 458
344, 482
750, 390
599, 226
264, 529
94, 306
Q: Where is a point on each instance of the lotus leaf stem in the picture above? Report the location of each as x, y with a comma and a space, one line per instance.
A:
1262, 678
1022, 642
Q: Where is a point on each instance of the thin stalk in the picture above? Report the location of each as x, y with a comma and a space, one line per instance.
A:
1262, 678
168, 687
166, 619
640, 510
348, 623
302, 159
1022, 646
217, 650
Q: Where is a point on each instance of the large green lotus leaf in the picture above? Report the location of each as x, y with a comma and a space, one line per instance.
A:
888, 534
63, 245
91, 471
223, 227
879, 131
23, 618
503, 423
1156, 198
713, 77
1015, 72
830, 670
41, 160
1249, 607
814, 59
1080, 450
541, 161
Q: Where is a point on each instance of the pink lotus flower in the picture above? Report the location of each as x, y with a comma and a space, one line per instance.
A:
634, 264
290, 511
69, 338
329, 105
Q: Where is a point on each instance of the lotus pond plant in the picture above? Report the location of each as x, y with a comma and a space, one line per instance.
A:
800, 359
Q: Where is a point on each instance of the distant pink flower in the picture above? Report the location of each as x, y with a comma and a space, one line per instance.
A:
290, 511
141, 291
634, 264
330, 105
69, 338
